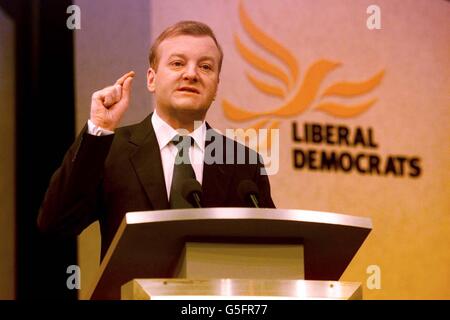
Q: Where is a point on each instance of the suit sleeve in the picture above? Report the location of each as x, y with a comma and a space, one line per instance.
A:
73, 197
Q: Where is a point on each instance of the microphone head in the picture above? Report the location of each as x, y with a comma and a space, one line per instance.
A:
247, 188
189, 187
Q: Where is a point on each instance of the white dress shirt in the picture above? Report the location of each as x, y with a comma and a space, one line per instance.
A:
164, 134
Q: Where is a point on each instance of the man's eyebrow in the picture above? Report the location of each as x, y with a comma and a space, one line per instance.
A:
181, 55
177, 55
207, 58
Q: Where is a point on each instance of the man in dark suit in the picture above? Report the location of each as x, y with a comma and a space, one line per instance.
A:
110, 171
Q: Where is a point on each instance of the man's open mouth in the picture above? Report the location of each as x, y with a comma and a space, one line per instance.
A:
188, 89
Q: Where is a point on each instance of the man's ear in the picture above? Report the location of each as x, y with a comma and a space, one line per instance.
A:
151, 78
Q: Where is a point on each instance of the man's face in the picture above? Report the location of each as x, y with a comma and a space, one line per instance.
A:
186, 78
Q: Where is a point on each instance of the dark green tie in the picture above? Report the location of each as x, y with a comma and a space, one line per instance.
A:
182, 171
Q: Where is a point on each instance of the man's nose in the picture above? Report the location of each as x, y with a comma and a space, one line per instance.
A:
190, 73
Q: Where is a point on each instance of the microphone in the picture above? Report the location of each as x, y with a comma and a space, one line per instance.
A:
248, 192
191, 190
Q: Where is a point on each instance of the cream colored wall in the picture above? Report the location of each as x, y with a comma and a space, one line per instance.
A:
89, 245
7, 158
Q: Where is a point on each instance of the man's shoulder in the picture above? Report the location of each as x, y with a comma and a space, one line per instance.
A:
230, 145
135, 131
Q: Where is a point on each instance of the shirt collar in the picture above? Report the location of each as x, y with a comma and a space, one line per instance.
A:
165, 133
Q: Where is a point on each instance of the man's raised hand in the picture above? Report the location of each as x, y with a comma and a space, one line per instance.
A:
109, 104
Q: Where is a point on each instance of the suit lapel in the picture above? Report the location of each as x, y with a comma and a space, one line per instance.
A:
147, 163
216, 176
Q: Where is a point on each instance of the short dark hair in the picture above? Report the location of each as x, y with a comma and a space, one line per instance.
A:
190, 28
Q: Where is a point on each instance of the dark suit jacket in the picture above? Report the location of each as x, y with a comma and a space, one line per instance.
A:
105, 177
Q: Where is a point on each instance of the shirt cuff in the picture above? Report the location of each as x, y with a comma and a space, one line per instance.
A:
96, 130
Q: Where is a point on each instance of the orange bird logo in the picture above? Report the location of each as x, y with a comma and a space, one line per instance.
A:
297, 92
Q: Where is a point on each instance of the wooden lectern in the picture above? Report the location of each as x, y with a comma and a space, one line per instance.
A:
231, 253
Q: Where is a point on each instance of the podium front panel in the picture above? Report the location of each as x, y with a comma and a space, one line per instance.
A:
148, 244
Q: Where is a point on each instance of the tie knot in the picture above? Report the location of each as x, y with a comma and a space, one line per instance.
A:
182, 141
